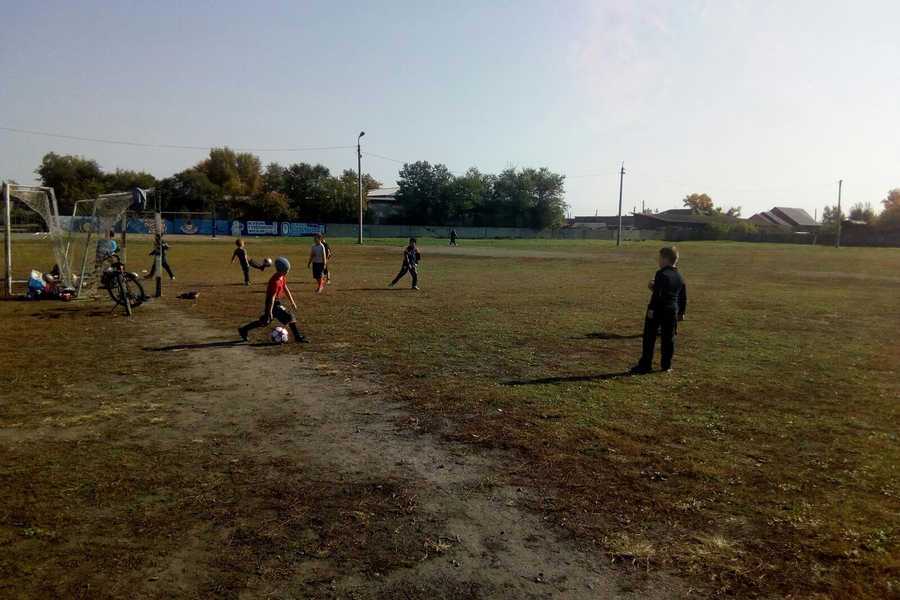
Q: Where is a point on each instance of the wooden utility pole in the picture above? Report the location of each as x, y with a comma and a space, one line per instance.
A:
837, 238
619, 231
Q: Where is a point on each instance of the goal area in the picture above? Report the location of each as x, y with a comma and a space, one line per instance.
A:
77, 243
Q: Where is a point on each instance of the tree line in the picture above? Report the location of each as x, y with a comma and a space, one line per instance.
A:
430, 194
228, 183
236, 185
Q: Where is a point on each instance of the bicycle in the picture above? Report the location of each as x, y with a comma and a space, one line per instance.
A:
124, 287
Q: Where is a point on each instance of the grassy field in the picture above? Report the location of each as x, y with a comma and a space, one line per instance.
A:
765, 465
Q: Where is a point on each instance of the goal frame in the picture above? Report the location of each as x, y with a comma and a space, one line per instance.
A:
7, 226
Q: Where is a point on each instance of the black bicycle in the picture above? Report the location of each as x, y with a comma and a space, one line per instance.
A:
124, 287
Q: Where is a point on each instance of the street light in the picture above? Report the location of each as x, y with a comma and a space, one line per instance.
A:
359, 182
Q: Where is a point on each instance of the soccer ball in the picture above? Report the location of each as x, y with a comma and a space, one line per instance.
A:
279, 335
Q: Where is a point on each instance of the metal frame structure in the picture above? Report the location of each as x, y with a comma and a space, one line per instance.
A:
7, 227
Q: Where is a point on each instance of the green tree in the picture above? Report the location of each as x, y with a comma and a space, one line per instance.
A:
192, 191
830, 218
123, 181
862, 212
72, 178
423, 193
890, 216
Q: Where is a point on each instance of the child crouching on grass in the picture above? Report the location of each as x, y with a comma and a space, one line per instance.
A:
240, 254
274, 309
668, 303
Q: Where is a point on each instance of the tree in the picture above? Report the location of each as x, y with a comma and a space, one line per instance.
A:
190, 191
72, 178
890, 216
862, 212
830, 218
123, 181
699, 203
424, 194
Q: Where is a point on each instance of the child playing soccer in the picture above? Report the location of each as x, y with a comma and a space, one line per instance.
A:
668, 303
411, 258
318, 259
274, 309
240, 254
160, 247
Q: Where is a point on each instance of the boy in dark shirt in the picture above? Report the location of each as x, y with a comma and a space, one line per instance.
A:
668, 303
240, 254
411, 258
274, 309
160, 247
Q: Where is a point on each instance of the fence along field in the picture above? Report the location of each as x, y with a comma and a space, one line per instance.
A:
764, 465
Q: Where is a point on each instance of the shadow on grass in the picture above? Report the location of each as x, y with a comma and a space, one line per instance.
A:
605, 335
73, 311
570, 379
207, 345
374, 289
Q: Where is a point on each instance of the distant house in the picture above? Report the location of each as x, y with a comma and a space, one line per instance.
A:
680, 218
789, 219
601, 222
383, 204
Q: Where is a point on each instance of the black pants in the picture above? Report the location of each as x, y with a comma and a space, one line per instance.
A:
246, 270
165, 266
412, 270
666, 326
280, 314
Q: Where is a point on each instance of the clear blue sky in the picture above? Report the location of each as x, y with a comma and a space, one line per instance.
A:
756, 103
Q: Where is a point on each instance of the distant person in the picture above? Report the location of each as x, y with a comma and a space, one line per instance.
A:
411, 258
453, 237
318, 260
668, 303
240, 254
161, 249
273, 308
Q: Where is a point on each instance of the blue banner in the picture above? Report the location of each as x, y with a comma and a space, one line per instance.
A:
205, 227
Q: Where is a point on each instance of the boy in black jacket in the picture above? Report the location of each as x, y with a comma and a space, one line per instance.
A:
667, 306
411, 258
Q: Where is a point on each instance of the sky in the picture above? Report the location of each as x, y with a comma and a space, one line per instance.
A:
756, 103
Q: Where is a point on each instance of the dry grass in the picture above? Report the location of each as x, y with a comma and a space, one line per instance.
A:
766, 465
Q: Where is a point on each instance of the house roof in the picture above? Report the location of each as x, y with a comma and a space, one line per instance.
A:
770, 218
796, 216
383, 195
687, 216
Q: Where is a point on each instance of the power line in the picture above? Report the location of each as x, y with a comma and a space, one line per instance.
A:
164, 146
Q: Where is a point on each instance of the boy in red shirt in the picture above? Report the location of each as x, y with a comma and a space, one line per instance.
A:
274, 309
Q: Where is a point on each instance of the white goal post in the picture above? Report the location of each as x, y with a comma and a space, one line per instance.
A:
72, 237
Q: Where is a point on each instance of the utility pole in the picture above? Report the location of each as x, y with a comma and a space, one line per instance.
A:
158, 238
619, 231
837, 238
359, 182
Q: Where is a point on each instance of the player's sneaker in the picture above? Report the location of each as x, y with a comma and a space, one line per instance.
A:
415, 287
302, 340
243, 333
640, 370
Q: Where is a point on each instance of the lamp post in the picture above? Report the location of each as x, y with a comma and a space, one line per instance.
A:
359, 182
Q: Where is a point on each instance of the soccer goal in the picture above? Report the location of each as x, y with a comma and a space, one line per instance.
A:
39, 200
90, 237
78, 243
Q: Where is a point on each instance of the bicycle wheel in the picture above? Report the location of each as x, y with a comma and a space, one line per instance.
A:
135, 291
124, 300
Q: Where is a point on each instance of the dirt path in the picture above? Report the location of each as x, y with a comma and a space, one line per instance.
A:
461, 535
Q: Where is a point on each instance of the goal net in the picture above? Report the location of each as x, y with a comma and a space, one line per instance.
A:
89, 238
80, 243
42, 201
